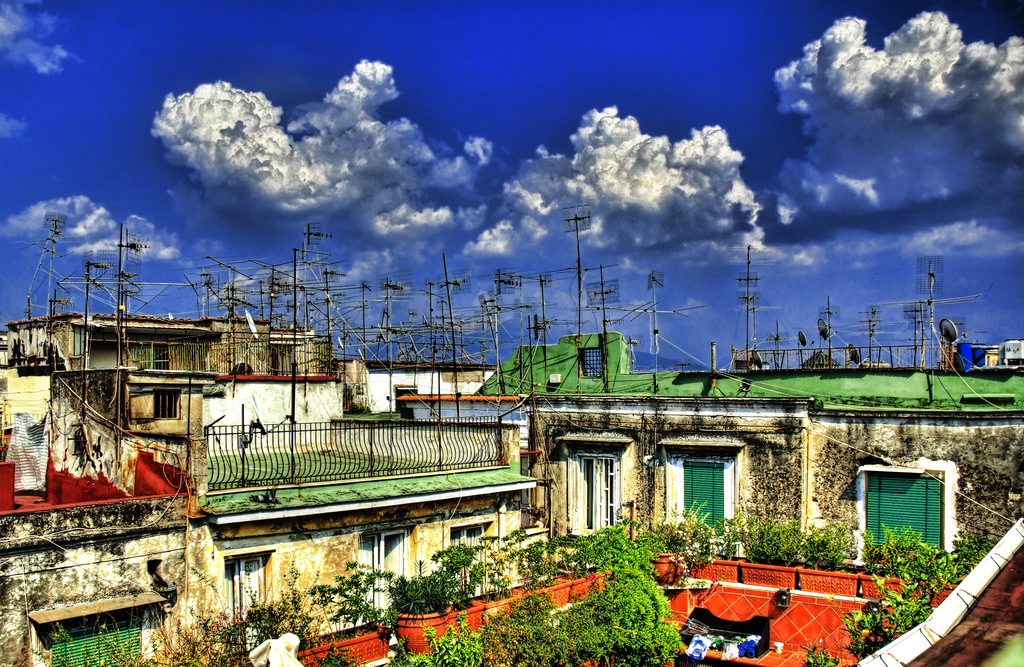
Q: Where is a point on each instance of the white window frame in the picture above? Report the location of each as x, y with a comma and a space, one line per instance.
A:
246, 580
374, 553
469, 533
609, 500
944, 470
675, 488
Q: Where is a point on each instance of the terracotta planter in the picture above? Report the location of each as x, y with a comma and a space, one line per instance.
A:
413, 629
726, 570
368, 647
773, 576
667, 570
831, 583
870, 590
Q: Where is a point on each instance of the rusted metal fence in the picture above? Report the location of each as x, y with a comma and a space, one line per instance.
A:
246, 456
247, 357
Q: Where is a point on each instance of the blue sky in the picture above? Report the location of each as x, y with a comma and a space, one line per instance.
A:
840, 140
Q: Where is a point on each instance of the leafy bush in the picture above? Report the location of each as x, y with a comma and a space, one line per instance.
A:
728, 535
906, 556
968, 550
457, 647
630, 616
826, 548
463, 562
773, 542
349, 600
898, 612
610, 549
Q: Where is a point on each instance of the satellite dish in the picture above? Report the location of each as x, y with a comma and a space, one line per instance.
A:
755, 360
802, 338
854, 353
958, 363
948, 329
252, 325
823, 329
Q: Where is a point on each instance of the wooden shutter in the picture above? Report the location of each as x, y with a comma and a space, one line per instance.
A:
898, 500
704, 488
105, 644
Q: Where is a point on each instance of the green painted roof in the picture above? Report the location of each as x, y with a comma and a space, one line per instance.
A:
391, 489
555, 369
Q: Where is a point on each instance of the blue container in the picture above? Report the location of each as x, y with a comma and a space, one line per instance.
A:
966, 355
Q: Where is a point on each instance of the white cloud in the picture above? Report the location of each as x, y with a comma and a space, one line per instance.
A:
22, 33
969, 237
925, 118
89, 227
645, 192
10, 127
334, 157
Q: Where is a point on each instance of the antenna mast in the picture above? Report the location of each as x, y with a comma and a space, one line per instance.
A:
57, 223
749, 300
577, 219
929, 281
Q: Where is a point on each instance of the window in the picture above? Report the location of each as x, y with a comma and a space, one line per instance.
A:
467, 534
95, 640
165, 403
77, 341
704, 485
384, 551
591, 365
904, 500
596, 492
245, 582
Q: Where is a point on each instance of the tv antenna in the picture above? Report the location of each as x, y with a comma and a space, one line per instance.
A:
825, 329
655, 279
603, 292
577, 219
929, 281
391, 287
57, 222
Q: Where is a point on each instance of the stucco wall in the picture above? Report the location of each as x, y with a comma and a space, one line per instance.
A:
87, 553
984, 453
767, 440
381, 385
315, 401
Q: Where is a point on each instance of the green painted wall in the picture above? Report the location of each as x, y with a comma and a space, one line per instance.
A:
532, 367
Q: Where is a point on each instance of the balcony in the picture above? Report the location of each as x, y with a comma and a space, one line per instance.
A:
241, 457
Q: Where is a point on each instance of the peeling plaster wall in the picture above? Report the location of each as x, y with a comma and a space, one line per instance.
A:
319, 548
86, 553
101, 467
986, 451
767, 439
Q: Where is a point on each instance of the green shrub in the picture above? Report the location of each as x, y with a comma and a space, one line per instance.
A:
968, 550
773, 542
687, 536
898, 612
826, 548
349, 600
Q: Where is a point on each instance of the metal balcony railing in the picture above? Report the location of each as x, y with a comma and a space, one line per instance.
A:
289, 454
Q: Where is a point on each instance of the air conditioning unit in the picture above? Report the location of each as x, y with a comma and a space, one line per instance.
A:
555, 378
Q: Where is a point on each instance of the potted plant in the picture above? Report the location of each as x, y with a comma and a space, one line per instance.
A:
349, 602
772, 549
684, 546
825, 550
420, 601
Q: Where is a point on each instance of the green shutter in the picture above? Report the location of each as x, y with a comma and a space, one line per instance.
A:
896, 501
98, 645
704, 488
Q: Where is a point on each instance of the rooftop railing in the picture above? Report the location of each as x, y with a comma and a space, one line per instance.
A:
289, 454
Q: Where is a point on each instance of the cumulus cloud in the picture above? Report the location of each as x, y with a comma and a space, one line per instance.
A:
89, 227
335, 156
10, 127
22, 33
645, 192
926, 118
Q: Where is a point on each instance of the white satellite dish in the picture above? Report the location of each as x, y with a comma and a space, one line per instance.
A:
252, 325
